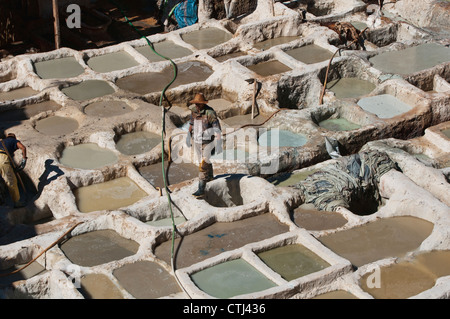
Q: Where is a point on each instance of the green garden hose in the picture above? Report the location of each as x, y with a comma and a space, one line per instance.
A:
175, 71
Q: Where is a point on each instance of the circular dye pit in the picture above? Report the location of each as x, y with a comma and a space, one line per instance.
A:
87, 156
137, 142
306, 216
67, 67
111, 62
219, 237
281, 138
56, 125
227, 192
231, 278
110, 195
98, 247
293, 261
384, 105
350, 87
107, 108
383, 238
310, 54
339, 124
88, 89
28, 111
206, 38
146, 280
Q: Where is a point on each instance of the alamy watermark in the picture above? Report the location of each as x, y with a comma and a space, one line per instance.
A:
244, 146
73, 21
374, 279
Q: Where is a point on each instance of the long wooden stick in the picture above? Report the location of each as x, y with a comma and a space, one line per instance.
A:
255, 86
329, 64
34, 259
56, 24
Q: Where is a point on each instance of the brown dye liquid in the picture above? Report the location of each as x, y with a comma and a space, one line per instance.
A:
144, 83
17, 94
310, 54
337, 294
107, 108
269, 68
137, 142
56, 125
220, 237
98, 247
408, 277
167, 49
290, 179
241, 120
146, 280
29, 111
267, 44
177, 173
87, 156
114, 194
312, 219
228, 56
206, 38
99, 286
383, 238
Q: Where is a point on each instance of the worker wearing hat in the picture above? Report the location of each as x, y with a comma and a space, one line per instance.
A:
204, 129
7, 148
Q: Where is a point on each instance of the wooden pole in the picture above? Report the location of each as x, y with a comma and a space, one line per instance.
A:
255, 86
56, 24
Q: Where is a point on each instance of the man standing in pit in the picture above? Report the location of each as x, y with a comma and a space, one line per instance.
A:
204, 129
7, 148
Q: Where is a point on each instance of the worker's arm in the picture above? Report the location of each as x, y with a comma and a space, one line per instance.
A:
23, 149
23, 162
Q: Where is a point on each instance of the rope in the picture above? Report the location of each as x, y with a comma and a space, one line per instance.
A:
45, 250
163, 109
